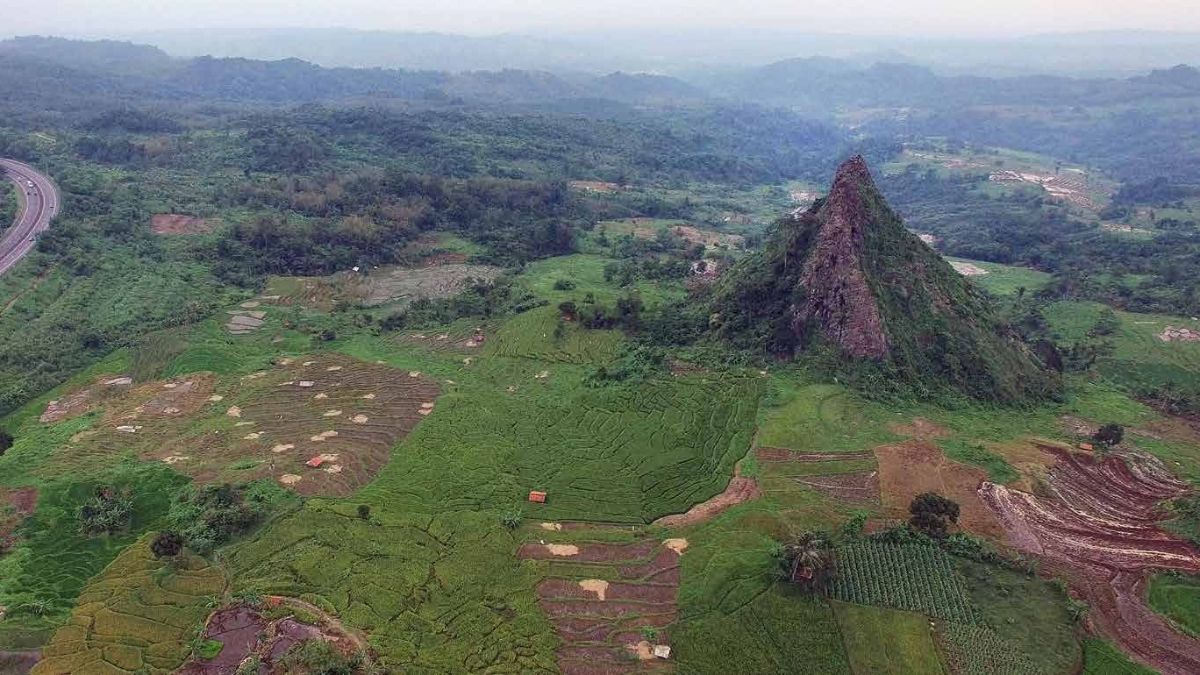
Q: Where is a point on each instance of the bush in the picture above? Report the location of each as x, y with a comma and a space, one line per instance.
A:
166, 544
932, 514
108, 512
1109, 435
213, 515
318, 657
6, 441
364, 511
564, 285
512, 519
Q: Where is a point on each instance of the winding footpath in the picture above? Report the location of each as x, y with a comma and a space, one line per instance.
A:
41, 205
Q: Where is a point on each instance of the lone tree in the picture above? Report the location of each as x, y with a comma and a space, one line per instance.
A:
6, 441
166, 544
1109, 435
808, 561
932, 514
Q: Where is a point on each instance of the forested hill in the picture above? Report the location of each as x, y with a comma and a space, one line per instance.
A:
39, 66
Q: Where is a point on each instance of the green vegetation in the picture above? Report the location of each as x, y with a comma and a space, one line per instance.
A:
139, 613
914, 577
1101, 658
886, 641
998, 469
1176, 597
741, 638
1005, 280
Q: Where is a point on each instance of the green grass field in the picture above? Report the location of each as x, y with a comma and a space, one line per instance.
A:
887, 641
1006, 279
1176, 597
1101, 658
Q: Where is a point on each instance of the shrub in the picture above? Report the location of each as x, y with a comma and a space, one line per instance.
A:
6, 441
932, 514
108, 512
1109, 435
208, 649
318, 657
512, 519
364, 511
166, 544
564, 285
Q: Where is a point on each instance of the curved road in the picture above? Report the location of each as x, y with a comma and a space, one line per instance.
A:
41, 206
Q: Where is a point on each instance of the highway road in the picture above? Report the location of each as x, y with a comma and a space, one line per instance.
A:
41, 206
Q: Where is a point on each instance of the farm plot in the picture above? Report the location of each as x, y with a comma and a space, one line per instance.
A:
611, 604
887, 641
16, 505
627, 454
396, 287
979, 650
536, 335
437, 593
323, 426
137, 615
913, 467
913, 577
266, 631
845, 477
326, 426
1098, 529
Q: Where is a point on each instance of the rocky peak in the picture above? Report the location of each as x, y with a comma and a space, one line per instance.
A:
837, 296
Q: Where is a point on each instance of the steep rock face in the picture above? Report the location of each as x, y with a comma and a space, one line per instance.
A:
848, 279
838, 297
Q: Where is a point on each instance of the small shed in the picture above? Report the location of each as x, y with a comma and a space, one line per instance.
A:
537, 497
316, 462
1086, 446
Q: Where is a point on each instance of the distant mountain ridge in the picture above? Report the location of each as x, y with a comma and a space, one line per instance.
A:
847, 274
149, 72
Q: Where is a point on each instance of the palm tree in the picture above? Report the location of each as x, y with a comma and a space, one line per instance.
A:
808, 561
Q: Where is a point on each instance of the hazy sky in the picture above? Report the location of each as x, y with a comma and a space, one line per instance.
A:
896, 17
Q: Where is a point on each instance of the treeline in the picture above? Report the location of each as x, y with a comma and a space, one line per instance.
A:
1140, 274
331, 223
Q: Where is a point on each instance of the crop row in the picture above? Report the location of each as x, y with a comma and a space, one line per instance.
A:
914, 577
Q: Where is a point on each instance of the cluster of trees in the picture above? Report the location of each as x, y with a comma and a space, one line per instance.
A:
109, 511
210, 516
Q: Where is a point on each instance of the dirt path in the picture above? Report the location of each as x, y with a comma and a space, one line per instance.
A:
740, 489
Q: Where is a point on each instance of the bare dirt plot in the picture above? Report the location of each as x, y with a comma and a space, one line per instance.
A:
245, 631
16, 504
86, 399
1173, 334
383, 286
593, 186
967, 269
245, 321
784, 455
607, 600
175, 223
1098, 530
860, 488
740, 489
913, 467
708, 238
345, 412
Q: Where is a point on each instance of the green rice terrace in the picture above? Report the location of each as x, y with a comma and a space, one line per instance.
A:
452, 466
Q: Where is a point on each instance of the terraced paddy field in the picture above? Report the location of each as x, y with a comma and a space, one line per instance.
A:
138, 615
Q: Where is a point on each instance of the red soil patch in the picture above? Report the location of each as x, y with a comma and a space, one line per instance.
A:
784, 455
1099, 531
601, 623
913, 467
244, 631
16, 504
859, 488
175, 223
740, 489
